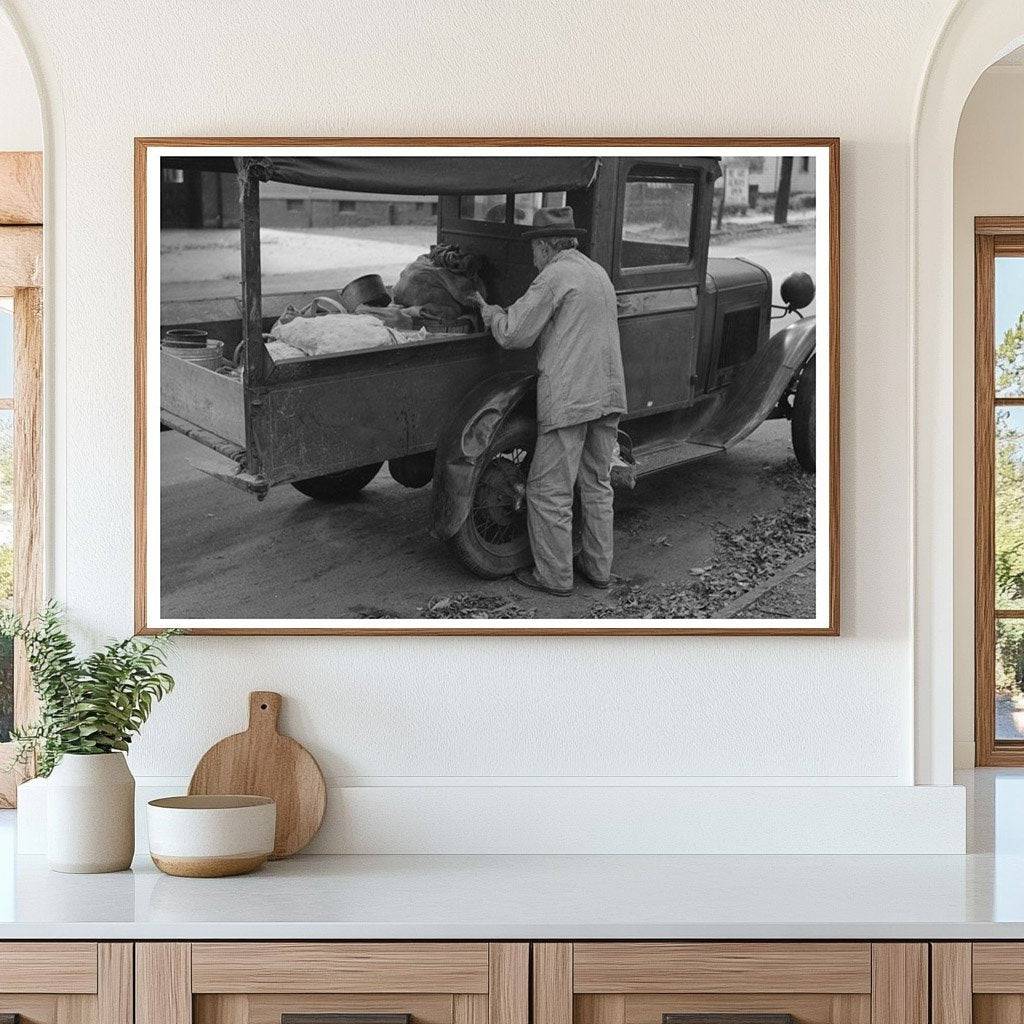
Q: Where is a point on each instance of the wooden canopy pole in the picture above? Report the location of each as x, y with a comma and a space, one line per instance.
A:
255, 352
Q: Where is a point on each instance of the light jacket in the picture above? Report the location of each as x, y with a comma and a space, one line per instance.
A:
569, 311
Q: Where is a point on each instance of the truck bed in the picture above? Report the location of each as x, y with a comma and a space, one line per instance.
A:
327, 413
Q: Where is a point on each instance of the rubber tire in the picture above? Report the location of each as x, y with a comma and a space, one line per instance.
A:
337, 486
803, 422
466, 545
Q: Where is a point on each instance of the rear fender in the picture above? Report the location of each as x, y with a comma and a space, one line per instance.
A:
754, 393
463, 442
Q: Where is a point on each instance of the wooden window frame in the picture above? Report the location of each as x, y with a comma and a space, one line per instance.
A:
21, 269
993, 236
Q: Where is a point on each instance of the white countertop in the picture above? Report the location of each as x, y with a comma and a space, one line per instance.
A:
978, 896
532, 897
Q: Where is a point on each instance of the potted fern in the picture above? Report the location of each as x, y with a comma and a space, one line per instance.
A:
89, 710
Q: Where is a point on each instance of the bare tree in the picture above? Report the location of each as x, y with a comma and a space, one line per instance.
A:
782, 192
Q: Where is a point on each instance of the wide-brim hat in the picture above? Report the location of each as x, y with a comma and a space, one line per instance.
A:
554, 222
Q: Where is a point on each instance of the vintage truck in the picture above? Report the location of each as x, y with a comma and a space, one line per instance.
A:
702, 367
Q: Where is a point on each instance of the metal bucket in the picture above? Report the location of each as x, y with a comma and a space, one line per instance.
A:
367, 290
208, 353
185, 337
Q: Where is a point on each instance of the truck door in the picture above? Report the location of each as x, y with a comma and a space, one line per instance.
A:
659, 256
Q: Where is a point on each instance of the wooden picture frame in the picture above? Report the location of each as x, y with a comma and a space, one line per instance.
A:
21, 268
827, 620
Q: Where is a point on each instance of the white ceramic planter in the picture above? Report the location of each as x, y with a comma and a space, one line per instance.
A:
90, 814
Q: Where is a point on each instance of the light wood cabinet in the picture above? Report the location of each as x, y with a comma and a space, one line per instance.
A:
651, 982
261, 982
977, 983
66, 982
510, 982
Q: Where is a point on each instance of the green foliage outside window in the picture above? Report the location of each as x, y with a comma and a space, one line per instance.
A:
1009, 508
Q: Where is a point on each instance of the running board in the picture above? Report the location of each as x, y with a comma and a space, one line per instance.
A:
663, 456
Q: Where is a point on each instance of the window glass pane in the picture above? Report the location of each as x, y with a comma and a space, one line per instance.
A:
6, 349
1009, 323
1009, 524
528, 203
485, 208
6, 564
1009, 679
656, 220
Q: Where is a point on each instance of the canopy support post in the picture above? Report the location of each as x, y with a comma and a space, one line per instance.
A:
254, 351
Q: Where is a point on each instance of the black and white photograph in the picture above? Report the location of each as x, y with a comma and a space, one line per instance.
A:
474, 387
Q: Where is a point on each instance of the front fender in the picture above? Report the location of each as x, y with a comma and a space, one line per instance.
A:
755, 392
464, 440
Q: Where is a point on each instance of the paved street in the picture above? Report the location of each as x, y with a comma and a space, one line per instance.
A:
226, 555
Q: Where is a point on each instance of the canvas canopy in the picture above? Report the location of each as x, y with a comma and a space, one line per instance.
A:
426, 175
431, 175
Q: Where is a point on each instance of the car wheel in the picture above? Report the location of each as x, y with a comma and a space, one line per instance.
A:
803, 421
493, 541
337, 486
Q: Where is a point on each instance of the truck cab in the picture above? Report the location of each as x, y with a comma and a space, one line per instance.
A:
684, 325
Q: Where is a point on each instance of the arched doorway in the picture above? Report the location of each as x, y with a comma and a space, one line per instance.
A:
975, 35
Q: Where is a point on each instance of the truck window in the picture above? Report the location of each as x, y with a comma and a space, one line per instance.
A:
483, 208
528, 203
494, 209
657, 216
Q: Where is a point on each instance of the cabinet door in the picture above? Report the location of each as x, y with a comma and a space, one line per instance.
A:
332, 983
66, 982
737, 982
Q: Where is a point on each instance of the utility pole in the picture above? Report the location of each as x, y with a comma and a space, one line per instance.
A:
782, 192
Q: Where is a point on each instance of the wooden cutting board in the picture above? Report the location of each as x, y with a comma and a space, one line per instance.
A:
262, 762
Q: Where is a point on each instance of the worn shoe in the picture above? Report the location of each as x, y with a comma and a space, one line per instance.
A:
600, 584
526, 577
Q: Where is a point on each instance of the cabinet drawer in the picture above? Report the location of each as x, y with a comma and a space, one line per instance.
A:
340, 967
263, 982
634, 967
998, 967
48, 967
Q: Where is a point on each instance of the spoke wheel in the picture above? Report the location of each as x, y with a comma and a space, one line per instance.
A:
493, 541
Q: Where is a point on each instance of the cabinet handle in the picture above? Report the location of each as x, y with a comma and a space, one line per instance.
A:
728, 1018
337, 1018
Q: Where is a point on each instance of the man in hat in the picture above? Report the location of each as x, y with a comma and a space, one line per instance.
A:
569, 311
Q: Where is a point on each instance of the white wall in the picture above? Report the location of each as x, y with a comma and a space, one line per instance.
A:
444, 713
988, 181
21, 124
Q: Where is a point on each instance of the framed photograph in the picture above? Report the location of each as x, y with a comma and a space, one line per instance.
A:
487, 386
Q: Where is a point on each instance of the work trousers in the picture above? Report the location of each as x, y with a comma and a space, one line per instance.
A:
566, 456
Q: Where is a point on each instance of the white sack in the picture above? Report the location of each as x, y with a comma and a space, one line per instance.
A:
325, 335
279, 350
